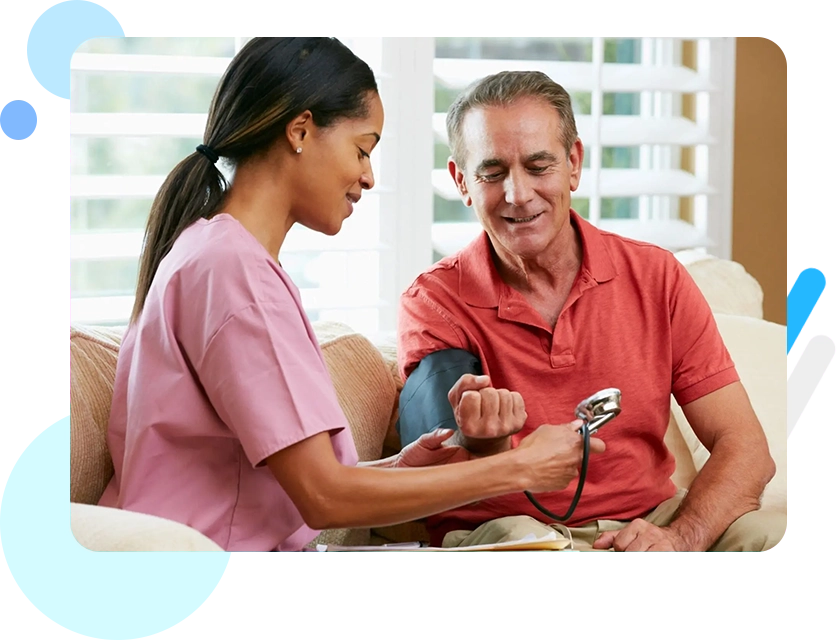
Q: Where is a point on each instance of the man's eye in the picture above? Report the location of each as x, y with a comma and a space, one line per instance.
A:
490, 176
538, 169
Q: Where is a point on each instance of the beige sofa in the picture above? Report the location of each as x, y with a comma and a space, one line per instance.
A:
367, 384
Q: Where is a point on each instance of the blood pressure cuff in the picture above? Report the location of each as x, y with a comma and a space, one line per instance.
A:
423, 405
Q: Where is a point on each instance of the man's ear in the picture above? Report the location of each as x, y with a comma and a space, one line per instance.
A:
298, 130
576, 160
459, 178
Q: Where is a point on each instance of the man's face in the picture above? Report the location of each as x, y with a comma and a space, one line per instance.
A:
517, 174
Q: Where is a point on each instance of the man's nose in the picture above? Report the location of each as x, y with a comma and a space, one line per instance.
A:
518, 188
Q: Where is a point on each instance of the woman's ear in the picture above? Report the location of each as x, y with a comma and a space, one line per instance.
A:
298, 131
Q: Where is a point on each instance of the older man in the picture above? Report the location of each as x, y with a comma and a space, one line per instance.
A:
551, 309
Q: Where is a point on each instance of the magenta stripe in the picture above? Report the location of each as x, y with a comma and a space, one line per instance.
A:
18, 171
811, 124
30, 292
811, 155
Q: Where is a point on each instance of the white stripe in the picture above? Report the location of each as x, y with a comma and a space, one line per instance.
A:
30, 248
818, 232
813, 364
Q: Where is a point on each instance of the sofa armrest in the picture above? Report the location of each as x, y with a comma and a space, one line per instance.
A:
105, 529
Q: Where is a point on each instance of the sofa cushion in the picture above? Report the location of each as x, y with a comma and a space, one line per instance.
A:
104, 529
93, 354
725, 284
363, 382
758, 349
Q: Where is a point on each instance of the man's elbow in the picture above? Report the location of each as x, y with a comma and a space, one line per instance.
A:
769, 468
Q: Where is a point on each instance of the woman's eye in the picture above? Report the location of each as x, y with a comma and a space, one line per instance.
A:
363, 154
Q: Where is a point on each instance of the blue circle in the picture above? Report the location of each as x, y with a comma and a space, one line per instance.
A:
18, 119
57, 34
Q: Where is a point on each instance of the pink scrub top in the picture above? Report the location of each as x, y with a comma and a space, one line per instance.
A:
221, 370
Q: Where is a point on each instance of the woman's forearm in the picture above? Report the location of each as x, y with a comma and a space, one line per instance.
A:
330, 495
383, 463
363, 496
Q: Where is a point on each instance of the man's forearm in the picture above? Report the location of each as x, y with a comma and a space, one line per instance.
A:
729, 485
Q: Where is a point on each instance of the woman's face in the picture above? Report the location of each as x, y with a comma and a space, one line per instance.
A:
335, 168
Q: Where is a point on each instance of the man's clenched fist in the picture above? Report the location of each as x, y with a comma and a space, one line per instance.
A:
483, 412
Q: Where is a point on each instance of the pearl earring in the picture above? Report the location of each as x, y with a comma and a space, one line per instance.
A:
299, 149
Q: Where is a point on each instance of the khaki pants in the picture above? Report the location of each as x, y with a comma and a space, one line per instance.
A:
754, 531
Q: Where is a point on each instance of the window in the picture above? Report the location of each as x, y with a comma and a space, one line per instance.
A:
139, 107
655, 116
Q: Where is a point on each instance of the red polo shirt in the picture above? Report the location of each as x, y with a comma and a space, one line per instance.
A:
634, 320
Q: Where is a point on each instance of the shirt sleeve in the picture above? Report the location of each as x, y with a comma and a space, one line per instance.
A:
424, 327
701, 362
266, 378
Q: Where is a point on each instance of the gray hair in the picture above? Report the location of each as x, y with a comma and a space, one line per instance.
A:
502, 89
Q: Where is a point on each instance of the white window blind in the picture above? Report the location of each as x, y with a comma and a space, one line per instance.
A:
655, 117
139, 106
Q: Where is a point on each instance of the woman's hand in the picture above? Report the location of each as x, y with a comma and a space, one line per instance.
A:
430, 450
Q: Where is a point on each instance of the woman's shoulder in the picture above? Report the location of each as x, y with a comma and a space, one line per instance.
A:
218, 263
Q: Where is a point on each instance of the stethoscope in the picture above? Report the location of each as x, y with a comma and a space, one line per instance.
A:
595, 411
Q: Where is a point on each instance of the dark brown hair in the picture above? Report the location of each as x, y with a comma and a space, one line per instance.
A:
267, 84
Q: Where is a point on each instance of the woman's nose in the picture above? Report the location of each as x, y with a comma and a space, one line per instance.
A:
367, 179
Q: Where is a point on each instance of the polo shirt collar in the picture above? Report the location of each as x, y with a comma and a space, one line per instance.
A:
480, 284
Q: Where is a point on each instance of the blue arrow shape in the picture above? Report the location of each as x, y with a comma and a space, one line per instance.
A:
801, 300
